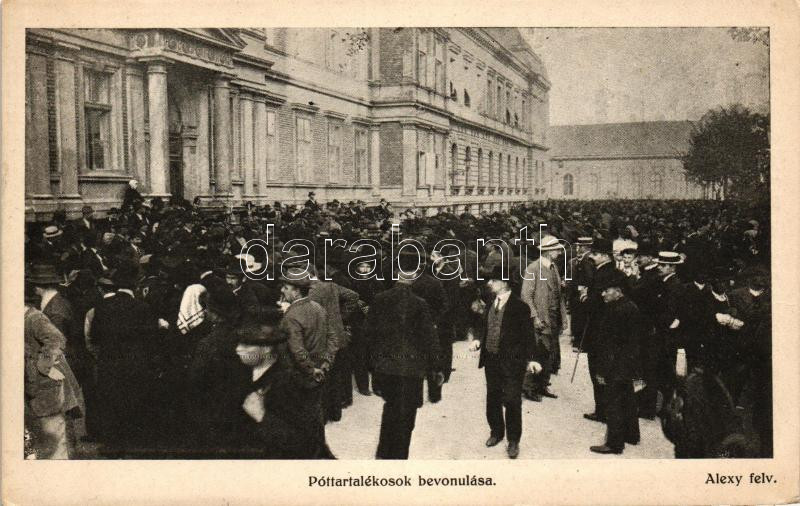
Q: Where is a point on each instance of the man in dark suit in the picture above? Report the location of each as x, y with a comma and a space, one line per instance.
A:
126, 335
403, 350
581, 270
697, 297
619, 328
670, 319
508, 348
601, 255
432, 290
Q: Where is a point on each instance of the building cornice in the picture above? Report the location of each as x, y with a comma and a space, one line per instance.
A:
253, 61
334, 115
311, 109
564, 158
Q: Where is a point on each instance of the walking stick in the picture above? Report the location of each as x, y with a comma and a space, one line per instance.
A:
578, 353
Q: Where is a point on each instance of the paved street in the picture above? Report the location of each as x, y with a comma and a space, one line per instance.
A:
456, 428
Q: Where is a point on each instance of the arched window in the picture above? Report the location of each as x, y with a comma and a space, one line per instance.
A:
568, 185
481, 177
466, 98
508, 168
491, 168
500, 173
524, 173
453, 163
516, 173
467, 160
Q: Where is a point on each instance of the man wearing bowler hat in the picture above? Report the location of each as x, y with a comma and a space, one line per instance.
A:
404, 349
581, 270
273, 421
124, 332
618, 328
602, 255
508, 349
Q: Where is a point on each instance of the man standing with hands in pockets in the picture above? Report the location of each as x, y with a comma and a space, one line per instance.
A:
508, 349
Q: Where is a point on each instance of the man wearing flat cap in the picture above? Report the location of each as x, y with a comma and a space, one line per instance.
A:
311, 340
508, 349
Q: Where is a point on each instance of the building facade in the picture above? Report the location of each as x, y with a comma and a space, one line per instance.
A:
639, 160
432, 118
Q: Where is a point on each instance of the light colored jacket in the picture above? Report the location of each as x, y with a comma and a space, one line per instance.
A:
543, 296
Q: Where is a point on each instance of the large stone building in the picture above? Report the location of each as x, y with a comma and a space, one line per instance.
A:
426, 117
620, 160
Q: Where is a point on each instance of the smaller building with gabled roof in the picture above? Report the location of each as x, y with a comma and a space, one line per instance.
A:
639, 160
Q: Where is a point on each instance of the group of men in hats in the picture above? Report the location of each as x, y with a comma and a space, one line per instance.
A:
168, 344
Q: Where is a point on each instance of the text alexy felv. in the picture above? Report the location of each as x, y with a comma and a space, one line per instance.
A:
737, 479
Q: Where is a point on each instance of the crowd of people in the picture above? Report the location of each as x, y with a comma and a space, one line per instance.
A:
148, 334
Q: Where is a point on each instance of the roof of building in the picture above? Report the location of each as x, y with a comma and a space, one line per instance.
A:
620, 140
511, 38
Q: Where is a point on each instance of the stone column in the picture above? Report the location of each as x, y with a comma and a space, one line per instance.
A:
409, 160
260, 137
37, 162
375, 53
448, 164
66, 126
159, 130
375, 159
246, 111
222, 129
137, 146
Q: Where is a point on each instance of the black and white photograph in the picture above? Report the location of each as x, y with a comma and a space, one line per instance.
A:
166, 169
523, 244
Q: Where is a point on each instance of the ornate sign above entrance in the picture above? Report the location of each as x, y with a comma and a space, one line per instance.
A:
154, 42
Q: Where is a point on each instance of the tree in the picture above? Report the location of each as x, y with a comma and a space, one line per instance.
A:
729, 153
357, 41
750, 34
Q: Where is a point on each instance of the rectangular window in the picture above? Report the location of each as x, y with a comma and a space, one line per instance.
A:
303, 149
438, 77
272, 147
438, 162
499, 110
489, 102
422, 68
97, 112
421, 161
335, 152
361, 156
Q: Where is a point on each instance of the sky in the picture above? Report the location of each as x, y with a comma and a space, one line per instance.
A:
609, 75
